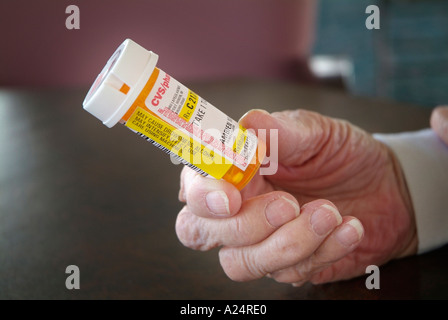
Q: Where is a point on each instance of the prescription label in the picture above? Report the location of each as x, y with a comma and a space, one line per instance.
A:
178, 143
195, 117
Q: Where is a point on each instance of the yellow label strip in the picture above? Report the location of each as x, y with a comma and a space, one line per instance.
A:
178, 143
240, 139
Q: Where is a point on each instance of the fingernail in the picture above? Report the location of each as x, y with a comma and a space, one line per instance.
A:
280, 211
324, 219
252, 110
218, 202
350, 233
260, 110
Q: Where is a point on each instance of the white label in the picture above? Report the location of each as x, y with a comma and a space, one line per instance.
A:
183, 109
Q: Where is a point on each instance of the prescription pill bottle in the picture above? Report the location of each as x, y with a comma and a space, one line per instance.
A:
132, 91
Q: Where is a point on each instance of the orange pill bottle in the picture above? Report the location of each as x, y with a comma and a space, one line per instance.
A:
132, 91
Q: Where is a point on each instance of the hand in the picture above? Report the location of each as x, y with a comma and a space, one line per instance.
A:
355, 208
439, 123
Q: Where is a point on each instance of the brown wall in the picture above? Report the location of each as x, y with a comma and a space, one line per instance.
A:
195, 39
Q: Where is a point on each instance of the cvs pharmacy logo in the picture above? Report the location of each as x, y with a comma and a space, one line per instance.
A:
161, 91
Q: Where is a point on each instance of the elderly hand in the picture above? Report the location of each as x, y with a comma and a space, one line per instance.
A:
337, 204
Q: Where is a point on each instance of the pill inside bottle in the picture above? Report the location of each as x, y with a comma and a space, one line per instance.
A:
132, 91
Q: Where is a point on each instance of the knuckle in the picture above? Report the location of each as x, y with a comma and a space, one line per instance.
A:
191, 232
289, 247
293, 275
321, 257
239, 265
298, 274
240, 226
254, 270
227, 261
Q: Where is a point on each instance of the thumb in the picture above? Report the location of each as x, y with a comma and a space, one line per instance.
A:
439, 123
295, 135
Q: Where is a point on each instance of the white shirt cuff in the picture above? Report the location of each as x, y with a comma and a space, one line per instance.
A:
424, 160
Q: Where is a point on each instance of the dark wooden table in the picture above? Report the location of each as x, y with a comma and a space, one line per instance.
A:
73, 192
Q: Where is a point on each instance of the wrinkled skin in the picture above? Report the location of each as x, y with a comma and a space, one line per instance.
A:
339, 203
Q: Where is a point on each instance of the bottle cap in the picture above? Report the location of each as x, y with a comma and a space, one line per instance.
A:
120, 82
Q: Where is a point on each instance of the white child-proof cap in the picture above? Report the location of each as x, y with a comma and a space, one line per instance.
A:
120, 82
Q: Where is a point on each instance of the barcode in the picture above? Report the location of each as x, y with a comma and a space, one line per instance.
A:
250, 146
227, 133
175, 156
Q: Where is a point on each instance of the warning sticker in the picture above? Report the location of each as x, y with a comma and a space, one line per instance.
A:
178, 142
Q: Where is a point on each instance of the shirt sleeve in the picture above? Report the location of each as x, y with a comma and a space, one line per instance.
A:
424, 160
